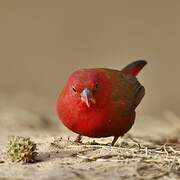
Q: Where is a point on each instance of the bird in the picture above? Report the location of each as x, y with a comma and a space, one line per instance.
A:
101, 102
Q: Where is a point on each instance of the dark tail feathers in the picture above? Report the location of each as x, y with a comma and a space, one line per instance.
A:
134, 67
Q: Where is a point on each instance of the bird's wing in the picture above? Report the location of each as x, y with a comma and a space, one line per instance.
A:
127, 91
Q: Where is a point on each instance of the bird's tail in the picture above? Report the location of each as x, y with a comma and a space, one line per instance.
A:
134, 67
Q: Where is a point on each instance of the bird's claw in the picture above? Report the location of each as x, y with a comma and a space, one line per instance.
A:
78, 139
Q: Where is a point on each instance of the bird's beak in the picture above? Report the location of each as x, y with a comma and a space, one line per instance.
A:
87, 97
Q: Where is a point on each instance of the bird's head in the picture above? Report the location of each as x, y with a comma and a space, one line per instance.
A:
87, 87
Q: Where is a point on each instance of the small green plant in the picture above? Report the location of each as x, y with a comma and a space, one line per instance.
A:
21, 149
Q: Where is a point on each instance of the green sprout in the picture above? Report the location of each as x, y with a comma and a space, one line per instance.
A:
21, 149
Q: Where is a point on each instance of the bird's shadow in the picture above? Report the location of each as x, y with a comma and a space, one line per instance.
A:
71, 149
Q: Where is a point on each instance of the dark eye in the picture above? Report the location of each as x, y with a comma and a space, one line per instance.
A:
95, 88
97, 85
73, 88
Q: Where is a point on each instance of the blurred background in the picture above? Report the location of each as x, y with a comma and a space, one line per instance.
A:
42, 42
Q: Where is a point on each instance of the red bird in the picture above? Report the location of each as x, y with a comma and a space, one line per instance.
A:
101, 102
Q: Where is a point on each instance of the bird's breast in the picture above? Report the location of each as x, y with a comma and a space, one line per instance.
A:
95, 121
84, 120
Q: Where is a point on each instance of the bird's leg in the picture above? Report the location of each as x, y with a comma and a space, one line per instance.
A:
114, 140
78, 139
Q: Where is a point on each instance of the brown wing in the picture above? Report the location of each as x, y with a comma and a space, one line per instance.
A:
127, 91
137, 92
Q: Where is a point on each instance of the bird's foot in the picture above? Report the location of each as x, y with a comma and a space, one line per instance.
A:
114, 140
78, 139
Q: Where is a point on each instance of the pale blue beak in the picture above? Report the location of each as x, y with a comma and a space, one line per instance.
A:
87, 97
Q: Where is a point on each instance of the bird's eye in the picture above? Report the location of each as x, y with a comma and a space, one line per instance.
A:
97, 85
95, 88
73, 88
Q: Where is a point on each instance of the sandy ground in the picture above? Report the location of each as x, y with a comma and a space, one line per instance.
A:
149, 151
42, 42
